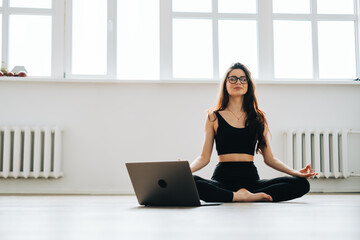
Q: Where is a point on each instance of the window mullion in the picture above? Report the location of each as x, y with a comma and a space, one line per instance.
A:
68, 39
5, 33
357, 41
166, 63
31, 11
111, 40
58, 39
315, 40
215, 34
265, 40
304, 17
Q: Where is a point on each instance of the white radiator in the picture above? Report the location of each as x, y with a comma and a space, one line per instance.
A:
30, 152
325, 149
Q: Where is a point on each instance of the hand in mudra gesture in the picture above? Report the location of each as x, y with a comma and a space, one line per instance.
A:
306, 172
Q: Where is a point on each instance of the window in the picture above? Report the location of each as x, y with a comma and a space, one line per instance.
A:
238, 46
1, 31
315, 39
1, 36
138, 43
293, 49
89, 37
192, 48
181, 39
45, 4
207, 37
114, 39
27, 35
296, 6
337, 57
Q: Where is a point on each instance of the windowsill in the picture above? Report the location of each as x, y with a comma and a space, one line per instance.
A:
205, 81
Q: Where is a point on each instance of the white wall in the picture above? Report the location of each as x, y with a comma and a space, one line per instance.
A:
108, 124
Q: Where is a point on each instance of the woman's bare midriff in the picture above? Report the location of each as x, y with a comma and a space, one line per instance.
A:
236, 157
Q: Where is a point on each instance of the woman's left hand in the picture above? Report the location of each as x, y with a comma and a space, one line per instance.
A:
306, 172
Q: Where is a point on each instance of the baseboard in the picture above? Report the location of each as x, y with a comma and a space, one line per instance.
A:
351, 184
68, 192
331, 185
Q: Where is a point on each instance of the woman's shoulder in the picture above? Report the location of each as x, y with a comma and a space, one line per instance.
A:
212, 115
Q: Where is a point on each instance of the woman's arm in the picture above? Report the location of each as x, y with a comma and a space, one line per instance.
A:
275, 163
205, 155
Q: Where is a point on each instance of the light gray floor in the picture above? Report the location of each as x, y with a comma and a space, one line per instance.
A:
314, 216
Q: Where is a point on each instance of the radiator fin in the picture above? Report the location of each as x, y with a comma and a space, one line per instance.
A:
30, 152
324, 149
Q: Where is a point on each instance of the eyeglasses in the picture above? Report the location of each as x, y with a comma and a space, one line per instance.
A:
233, 79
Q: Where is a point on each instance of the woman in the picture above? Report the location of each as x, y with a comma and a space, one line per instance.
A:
240, 129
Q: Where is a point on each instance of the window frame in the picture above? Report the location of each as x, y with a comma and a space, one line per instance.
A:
111, 43
57, 32
314, 18
61, 13
214, 16
265, 18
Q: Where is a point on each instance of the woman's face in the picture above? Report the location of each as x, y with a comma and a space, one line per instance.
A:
238, 88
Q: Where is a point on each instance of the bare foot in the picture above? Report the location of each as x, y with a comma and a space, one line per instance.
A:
243, 195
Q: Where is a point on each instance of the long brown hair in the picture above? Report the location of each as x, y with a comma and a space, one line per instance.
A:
255, 119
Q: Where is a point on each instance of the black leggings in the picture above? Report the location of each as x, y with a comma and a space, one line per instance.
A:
229, 177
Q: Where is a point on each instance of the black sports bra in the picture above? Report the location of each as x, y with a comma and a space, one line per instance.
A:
230, 139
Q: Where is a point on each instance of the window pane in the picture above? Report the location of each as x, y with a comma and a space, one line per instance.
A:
291, 6
192, 6
238, 43
89, 37
34, 50
337, 49
138, 53
0, 38
335, 6
192, 48
237, 6
293, 49
31, 4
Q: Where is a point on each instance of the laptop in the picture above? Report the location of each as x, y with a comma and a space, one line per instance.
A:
165, 183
